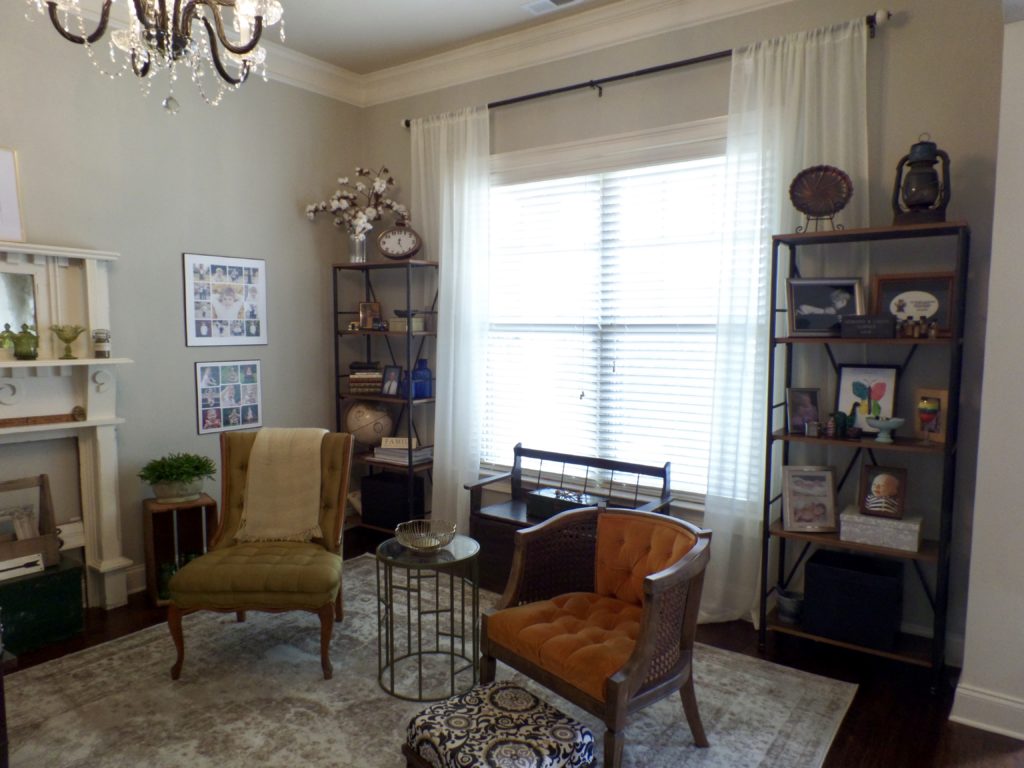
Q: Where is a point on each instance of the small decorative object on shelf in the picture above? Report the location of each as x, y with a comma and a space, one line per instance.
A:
425, 535
885, 427
399, 242
819, 193
67, 334
919, 196
355, 205
101, 343
26, 342
368, 422
422, 380
178, 477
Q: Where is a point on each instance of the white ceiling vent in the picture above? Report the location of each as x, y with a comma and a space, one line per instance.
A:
540, 7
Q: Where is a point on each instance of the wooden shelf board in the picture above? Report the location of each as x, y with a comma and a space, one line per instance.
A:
387, 399
362, 266
387, 333
941, 341
907, 444
928, 553
419, 466
928, 229
909, 648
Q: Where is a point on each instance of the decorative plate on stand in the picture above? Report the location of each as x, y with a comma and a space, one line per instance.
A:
820, 192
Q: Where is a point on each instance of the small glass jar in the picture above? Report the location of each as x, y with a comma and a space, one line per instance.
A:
101, 343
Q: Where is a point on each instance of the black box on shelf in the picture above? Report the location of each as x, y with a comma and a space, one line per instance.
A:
867, 326
385, 499
853, 598
548, 502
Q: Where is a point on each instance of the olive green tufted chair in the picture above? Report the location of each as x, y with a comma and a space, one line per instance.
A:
267, 575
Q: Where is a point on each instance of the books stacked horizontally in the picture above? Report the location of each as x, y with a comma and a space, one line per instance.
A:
394, 450
365, 378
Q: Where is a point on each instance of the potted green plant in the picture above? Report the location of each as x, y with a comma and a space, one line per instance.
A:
178, 477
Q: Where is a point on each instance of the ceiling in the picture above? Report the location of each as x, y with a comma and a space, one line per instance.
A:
366, 37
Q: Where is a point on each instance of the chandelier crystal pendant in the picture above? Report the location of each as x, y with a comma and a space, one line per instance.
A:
167, 34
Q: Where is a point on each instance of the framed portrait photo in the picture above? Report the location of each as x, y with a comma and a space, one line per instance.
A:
11, 225
817, 305
866, 391
930, 415
913, 296
225, 301
391, 382
809, 499
801, 409
370, 316
228, 396
882, 491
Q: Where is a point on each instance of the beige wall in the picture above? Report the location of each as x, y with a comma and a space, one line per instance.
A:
932, 68
103, 167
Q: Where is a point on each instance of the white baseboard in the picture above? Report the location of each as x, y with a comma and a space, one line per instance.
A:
136, 578
989, 711
954, 642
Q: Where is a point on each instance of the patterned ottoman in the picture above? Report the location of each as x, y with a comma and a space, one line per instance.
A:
497, 725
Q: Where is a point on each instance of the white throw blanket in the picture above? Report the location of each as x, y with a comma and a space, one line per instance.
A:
282, 487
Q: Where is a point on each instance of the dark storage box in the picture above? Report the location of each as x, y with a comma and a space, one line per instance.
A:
43, 607
548, 502
853, 598
385, 499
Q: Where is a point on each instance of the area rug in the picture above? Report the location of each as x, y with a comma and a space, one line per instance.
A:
251, 694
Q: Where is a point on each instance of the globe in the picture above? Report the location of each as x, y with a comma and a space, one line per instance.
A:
368, 422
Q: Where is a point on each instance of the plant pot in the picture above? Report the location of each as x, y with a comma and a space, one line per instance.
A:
178, 491
791, 605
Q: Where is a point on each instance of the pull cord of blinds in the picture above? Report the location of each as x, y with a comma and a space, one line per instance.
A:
873, 20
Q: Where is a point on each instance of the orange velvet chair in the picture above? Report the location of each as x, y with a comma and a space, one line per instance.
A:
601, 607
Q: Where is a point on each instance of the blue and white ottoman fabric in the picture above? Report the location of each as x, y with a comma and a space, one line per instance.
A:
499, 725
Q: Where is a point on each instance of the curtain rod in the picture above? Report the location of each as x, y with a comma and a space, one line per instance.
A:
873, 20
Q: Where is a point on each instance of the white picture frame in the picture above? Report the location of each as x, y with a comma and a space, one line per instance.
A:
225, 301
229, 396
12, 226
809, 499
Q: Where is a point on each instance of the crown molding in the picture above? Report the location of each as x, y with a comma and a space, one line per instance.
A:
301, 71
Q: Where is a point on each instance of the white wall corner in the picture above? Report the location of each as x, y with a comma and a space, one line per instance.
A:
989, 711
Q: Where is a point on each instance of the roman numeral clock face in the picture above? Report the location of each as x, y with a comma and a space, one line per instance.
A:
399, 242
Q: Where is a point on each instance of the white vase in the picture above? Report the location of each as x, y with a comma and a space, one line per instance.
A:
356, 249
176, 492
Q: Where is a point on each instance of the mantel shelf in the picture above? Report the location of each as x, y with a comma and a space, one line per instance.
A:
58, 363
59, 426
59, 251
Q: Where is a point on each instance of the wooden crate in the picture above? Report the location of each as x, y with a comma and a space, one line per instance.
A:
47, 543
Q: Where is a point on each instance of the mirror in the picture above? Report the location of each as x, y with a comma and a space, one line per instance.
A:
17, 300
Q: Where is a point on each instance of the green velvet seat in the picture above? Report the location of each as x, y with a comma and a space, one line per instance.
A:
267, 575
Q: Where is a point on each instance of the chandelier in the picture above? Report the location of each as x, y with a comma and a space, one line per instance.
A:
169, 34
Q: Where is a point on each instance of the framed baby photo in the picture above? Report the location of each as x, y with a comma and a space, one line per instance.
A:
225, 301
883, 491
808, 499
228, 396
817, 305
801, 409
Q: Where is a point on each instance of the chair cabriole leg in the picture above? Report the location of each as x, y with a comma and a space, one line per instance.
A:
689, 697
326, 628
613, 744
174, 625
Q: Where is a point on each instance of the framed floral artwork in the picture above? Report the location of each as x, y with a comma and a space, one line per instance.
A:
228, 396
866, 391
225, 301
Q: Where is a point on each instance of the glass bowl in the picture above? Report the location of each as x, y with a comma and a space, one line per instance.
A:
425, 535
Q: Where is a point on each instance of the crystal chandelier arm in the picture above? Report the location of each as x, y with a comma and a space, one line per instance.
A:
191, 10
215, 57
51, 7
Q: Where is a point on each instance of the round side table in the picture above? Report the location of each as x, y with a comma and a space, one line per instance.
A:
428, 619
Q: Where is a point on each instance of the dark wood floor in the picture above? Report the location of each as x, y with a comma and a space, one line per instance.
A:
894, 721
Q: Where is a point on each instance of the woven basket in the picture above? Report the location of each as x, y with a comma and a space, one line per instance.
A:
425, 535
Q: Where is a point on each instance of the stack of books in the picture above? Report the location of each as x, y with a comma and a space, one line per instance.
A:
400, 456
365, 378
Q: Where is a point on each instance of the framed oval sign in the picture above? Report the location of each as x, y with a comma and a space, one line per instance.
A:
928, 295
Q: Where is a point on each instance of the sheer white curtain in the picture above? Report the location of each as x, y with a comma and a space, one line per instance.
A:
794, 102
450, 180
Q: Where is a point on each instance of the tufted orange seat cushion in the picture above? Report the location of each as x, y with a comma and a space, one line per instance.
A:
581, 637
280, 575
629, 550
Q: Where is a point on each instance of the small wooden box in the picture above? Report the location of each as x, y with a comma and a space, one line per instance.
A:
548, 502
46, 543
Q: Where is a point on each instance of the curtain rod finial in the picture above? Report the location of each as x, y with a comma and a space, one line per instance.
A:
877, 19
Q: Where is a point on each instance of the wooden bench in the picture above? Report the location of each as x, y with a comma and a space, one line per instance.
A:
494, 526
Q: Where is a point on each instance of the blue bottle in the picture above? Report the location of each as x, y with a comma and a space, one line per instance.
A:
423, 380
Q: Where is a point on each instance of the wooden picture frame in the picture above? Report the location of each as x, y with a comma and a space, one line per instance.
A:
910, 296
801, 408
809, 499
12, 225
872, 388
370, 315
817, 304
225, 301
932, 430
882, 491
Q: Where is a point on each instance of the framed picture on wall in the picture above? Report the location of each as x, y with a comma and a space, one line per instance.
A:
11, 225
225, 301
228, 396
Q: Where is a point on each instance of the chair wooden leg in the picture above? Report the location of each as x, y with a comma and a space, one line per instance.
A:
689, 697
339, 606
487, 668
326, 628
613, 744
239, 615
174, 625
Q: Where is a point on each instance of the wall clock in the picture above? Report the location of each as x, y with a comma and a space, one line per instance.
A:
399, 242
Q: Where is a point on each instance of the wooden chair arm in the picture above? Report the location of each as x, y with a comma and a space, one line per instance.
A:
476, 489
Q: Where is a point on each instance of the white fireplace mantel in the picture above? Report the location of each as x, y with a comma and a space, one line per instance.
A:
71, 287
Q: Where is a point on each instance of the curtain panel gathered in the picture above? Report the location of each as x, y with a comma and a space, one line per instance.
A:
794, 102
450, 185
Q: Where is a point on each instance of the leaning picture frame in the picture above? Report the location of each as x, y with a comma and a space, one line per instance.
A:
391, 381
225, 301
931, 414
809, 498
12, 227
228, 396
817, 304
801, 409
929, 295
866, 391
882, 491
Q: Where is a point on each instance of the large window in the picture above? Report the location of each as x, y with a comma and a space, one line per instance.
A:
603, 300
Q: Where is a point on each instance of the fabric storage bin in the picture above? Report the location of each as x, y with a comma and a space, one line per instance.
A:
385, 499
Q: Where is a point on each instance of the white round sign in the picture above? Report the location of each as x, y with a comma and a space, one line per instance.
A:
914, 304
